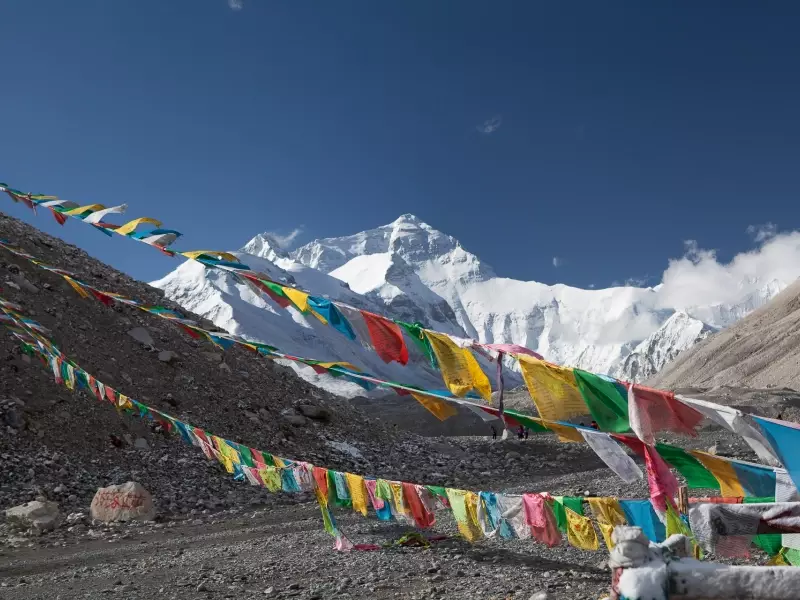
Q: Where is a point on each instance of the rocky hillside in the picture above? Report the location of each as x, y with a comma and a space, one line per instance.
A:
760, 351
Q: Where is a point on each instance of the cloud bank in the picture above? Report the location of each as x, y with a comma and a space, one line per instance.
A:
236, 4
700, 279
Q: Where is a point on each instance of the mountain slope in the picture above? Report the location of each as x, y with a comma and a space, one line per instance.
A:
762, 350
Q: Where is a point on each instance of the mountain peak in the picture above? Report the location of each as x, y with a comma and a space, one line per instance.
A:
264, 245
410, 220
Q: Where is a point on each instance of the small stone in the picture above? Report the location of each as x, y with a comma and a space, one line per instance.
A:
141, 444
202, 587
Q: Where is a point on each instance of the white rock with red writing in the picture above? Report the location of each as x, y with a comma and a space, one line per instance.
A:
126, 502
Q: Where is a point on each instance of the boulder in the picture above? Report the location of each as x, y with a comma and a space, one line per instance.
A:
141, 335
126, 502
293, 418
168, 356
315, 412
41, 515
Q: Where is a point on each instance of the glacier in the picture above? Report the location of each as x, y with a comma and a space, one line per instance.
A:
410, 271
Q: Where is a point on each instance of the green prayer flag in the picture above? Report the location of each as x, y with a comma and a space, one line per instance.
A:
333, 497
559, 503
526, 421
437, 490
606, 404
414, 331
247, 456
696, 475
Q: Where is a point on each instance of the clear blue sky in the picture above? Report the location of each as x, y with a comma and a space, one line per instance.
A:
624, 127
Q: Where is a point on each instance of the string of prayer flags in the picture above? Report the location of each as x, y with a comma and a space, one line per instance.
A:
460, 370
553, 389
387, 338
651, 410
477, 514
607, 405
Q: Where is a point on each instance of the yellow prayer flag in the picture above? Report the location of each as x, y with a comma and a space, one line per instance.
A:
298, 298
346, 365
358, 492
580, 531
723, 472
442, 409
608, 510
460, 371
399, 501
564, 433
271, 478
553, 389
221, 255
606, 529
75, 286
131, 226
81, 209
459, 506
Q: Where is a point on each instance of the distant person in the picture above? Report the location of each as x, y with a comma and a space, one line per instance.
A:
594, 425
527, 431
494, 433
521, 432
780, 417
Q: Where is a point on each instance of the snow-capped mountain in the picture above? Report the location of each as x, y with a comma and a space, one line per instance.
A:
678, 333
411, 271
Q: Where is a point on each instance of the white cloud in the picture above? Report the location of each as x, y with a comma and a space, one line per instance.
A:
762, 233
490, 125
285, 241
236, 4
557, 262
700, 279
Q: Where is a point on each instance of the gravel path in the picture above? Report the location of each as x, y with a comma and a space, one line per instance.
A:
285, 553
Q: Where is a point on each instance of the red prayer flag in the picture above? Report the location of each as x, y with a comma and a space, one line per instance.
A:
387, 338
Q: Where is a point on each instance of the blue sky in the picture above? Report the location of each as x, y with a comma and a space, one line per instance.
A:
603, 134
